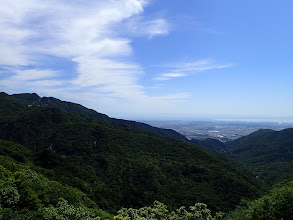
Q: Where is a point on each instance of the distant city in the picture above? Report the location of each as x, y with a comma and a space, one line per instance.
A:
220, 130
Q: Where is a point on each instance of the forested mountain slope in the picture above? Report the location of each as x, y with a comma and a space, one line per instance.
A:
118, 164
211, 145
267, 153
35, 100
25, 192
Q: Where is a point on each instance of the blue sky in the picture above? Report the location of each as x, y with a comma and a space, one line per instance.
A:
157, 59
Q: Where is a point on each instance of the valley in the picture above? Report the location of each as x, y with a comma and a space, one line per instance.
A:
97, 166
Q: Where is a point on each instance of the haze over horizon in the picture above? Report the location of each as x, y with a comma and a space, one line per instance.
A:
137, 59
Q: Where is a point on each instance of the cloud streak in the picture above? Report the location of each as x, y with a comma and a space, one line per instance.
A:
184, 69
139, 26
167, 76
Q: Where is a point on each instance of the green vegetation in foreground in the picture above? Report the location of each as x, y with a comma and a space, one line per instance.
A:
159, 211
26, 194
278, 204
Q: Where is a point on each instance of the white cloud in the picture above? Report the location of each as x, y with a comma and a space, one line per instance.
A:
197, 66
90, 34
32, 74
189, 68
13, 52
96, 72
110, 77
156, 27
63, 28
140, 26
29, 79
174, 97
167, 76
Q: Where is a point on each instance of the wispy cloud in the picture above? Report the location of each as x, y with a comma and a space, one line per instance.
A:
167, 76
32, 74
174, 97
139, 26
183, 69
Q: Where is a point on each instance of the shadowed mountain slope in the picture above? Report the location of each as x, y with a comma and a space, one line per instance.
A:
267, 153
211, 145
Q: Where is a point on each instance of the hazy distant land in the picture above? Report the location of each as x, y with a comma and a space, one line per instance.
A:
218, 129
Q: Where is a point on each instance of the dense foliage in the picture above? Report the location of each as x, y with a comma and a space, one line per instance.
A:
159, 211
121, 163
35, 100
278, 204
211, 145
267, 153
26, 194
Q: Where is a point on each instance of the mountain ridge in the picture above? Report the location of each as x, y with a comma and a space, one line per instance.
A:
33, 99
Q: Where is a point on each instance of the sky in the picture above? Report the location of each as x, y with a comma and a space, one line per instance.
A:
152, 59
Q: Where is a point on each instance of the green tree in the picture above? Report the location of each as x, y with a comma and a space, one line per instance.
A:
65, 211
278, 204
159, 211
